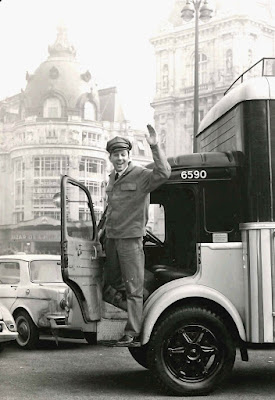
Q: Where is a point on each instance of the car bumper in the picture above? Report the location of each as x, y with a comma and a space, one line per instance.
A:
6, 335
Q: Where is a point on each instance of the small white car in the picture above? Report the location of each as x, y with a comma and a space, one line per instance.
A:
7, 326
32, 289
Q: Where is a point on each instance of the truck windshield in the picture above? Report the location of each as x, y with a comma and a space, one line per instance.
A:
45, 271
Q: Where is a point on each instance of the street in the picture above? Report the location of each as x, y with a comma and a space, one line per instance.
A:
79, 371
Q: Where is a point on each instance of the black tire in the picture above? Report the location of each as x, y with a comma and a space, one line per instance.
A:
28, 335
139, 354
1, 347
191, 351
90, 337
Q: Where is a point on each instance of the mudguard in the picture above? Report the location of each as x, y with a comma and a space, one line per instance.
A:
173, 292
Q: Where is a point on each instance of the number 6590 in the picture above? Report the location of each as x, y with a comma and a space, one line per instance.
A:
194, 174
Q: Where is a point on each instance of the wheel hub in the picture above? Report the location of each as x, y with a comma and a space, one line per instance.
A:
23, 330
194, 353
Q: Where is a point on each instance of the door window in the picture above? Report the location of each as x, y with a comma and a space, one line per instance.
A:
78, 214
9, 273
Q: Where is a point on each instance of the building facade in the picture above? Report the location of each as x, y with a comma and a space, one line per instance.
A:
58, 125
238, 35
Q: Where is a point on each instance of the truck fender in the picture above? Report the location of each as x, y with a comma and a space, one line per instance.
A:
166, 299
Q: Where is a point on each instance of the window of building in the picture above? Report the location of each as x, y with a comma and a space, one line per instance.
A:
51, 166
52, 108
49, 214
18, 217
90, 166
43, 191
203, 69
90, 138
165, 76
229, 61
19, 183
95, 189
141, 148
89, 111
19, 169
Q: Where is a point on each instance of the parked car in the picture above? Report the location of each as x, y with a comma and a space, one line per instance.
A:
7, 326
32, 289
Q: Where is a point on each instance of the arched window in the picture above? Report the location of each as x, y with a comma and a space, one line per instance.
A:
89, 111
52, 108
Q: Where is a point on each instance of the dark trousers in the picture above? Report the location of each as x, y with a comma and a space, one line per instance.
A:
124, 270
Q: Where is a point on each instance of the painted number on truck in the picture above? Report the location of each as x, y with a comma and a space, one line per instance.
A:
193, 174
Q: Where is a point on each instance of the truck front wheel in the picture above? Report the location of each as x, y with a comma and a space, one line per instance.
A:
191, 351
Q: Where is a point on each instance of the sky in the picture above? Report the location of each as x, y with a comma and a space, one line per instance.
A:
111, 38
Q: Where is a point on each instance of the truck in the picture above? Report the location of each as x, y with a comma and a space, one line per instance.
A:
209, 265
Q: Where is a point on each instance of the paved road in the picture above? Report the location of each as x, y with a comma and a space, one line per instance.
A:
78, 371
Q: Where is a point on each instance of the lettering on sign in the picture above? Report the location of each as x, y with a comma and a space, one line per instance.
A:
46, 236
193, 174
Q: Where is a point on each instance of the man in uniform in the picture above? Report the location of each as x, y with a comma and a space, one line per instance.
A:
127, 214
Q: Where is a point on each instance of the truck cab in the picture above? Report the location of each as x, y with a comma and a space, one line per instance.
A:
194, 307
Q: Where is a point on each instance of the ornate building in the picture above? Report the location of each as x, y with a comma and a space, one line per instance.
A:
58, 125
238, 35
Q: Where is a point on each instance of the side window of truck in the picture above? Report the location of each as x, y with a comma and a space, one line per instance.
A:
220, 206
156, 221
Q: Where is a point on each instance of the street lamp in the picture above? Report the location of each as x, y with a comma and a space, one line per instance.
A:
202, 11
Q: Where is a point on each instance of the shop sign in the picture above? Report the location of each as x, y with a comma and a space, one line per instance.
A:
36, 236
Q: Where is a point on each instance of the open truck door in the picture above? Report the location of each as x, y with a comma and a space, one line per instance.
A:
80, 248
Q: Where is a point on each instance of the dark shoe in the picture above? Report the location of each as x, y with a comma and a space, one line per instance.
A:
128, 340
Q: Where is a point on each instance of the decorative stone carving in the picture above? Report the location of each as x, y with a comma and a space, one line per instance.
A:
54, 73
86, 76
29, 76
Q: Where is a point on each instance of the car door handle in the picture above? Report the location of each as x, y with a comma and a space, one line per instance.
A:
94, 253
79, 250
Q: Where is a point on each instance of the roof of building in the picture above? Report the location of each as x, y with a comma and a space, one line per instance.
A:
60, 75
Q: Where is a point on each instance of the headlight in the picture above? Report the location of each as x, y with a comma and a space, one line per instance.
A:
63, 304
67, 302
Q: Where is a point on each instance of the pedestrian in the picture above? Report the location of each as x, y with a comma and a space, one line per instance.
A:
127, 214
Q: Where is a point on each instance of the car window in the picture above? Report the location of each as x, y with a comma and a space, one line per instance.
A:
45, 271
9, 272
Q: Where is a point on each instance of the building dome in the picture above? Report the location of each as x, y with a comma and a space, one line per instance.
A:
60, 84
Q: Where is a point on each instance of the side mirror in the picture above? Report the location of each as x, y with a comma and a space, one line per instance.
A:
57, 200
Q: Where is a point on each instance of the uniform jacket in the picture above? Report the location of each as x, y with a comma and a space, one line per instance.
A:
128, 197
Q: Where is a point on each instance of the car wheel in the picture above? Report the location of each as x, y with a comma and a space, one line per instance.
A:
28, 335
191, 351
1, 347
139, 354
90, 337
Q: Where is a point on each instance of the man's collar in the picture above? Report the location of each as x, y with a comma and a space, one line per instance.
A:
122, 172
